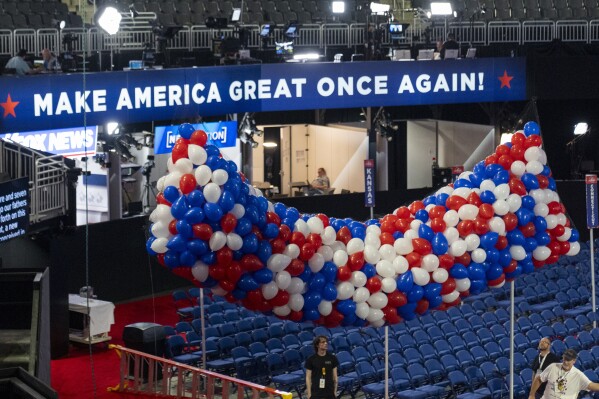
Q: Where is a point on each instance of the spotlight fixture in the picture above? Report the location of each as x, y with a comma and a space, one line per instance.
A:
247, 130
59, 24
133, 12
112, 128
384, 124
108, 19
581, 128
338, 7
379, 8
441, 8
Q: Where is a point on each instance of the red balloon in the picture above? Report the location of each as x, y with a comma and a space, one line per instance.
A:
296, 316
161, 200
437, 211
543, 181
511, 267
298, 239
565, 247
516, 186
277, 245
501, 243
446, 261
534, 140
497, 281
518, 139
390, 218
228, 223
422, 306
343, 273
388, 226
396, 299
555, 247
179, 151
422, 246
234, 272
448, 286
296, 267
416, 206
386, 238
491, 159
505, 161
281, 299
203, 231
344, 235
403, 212
486, 211
454, 202
184, 272
284, 232
517, 152
217, 272
481, 226
306, 251
172, 227
554, 208
528, 230
465, 227
502, 149
324, 218
356, 261
402, 225
227, 285
224, 256
510, 220
315, 240
391, 315
474, 199
374, 284
551, 259
187, 183
464, 259
272, 217
257, 232
438, 225
538, 263
199, 137
414, 259
252, 263
160, 259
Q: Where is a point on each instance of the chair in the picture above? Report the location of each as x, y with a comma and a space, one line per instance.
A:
177, 350
183, 327
428, 352
490, 320
449, 330
346, 362
279, 375
291, 341
454, 314
502, 315
276, 331
498, 332
560, 329
421, 337
572, 343
480, 354
413, 355
572, 326
274, 345
258, 350
533, 337
360, 354
586, 359
489, 370
183, 304
586, 339
457, 343
462, 326
216, 319
442, 347
291, 328
375, 349
503, 365
418, 375
558, 347
227, 329
406, 341
521, 342
262, 336
260, 322
450, 363
497, 388
520, 362
465, 358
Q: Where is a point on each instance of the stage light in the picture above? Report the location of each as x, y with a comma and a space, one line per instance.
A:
506, 138
113, 128
379, 8
306, 56
59, 24
108, 19
441, 8
236, 16
270, 144
338, 7
581, 128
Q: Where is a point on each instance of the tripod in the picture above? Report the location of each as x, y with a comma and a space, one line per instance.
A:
149, 189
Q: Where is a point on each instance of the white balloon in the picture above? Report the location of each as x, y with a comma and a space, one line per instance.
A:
371, 254
518, 168
217, 240
361, 294
458, 248
532, 154
462, 284
372, 239
278, 262
345, 290
543, 157
448, 298
374, 315
160, 230
238, 211
430, 262
385, 268
296, 302
316, 262
497, 225
373, 229
362, 310
539, 196
296, 286
472, 242
403, 246
200, 271
446, 189
355, 245
281, 310
378, 300
541, 253
159, 245
378, 323
487, 185
160, 184
212, 192
328, 235
196, 154
162, 213
501, 207
169, 164
421, 276
561, 219
270, 290
517, 252
468, 212
203, 174
502, 191
326, 252
220, 177
410, 234
387, 252
551, 221
291, 250
301, 226
574, 248
534, 167
337, 246
340, 258
388, 285
283, 279
184, 165
400, 264
451, 235
325, 308
415, 224
173, 179
541, 210
451, 218
440, 275
463, 192
315, 225
478, 255
358, 279
234, 241
566, 236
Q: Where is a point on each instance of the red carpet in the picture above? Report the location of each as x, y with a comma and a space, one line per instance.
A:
85, 375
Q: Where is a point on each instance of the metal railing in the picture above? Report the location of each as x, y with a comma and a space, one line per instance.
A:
190, 38
141, 373
47, 179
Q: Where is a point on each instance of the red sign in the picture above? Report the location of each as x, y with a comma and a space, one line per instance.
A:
590, 179
456, 170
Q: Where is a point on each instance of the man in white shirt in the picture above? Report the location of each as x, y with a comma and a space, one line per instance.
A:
19, 64
564, 381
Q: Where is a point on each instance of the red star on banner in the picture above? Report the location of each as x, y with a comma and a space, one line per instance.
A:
505, 80
9, 106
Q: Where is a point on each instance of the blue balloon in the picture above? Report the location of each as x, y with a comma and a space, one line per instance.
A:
195, 215
263, 276
212, 162
425, 231
430, 200
232, 169
264, 251
179, 207
458, 271
369, 270
271, 230
492, 255
491, 170
515, 237
213, 212
239, 294
439, 244
530, 244
405, 282
546, 171
543, 238
397, 234
575, 236
477, 286
530, 181
463, 183
177, 243
476, 271
198, 247
527, 267
149, 246
415, 294
187, 258
226, 201
540, 223
435, 302
432, 290
407, 311
212, 150
329, 292
262, 204
184, 229
209, 258
501, 177
441, 199
346, 307
209, 283
311, 314
517, 271
528, 202
252, 214
358, 232
494, 272
247, 282
171, 259
477, 178
551, 185
280, 210
292, 214
171, 193
524, 215
329, 271
186, 130
487, 197
311, 300
244, 226
250, 243
531, 128
306, 275
317, 282
349, 320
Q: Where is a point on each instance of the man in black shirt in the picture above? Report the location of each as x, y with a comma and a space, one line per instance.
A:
544, 359
321, 371
450, 44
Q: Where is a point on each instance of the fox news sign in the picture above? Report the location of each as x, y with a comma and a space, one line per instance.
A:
220, 134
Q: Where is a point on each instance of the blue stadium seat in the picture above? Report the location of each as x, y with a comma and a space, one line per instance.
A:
260, 335
497, 388
442, 347
274, 345
457, 343
450, 363
178, 351
489, 370
291, 341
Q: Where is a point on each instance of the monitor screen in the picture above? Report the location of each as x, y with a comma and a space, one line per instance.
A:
291, 31
265, 30
284, 48
236, 16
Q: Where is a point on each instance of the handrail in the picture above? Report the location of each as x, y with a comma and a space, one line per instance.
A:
149, 374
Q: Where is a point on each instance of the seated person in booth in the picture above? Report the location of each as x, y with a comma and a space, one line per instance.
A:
50, 61
320, 184
19, 64
450, 44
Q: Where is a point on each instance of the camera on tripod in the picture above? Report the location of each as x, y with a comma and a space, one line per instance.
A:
146, 169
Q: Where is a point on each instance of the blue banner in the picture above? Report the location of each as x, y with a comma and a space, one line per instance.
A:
591, 202
220, 134
369, 183
76, 141
57, 101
